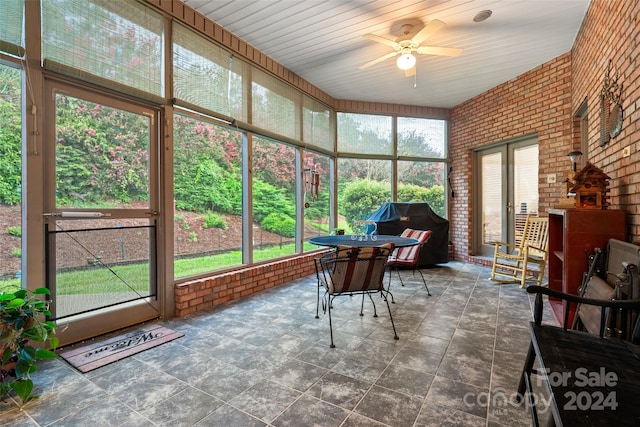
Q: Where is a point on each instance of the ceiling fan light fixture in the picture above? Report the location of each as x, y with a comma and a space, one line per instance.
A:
406, 61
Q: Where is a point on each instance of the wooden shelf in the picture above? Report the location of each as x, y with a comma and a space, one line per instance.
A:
573, 236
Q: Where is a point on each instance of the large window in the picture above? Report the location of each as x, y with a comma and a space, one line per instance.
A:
363, 186
425, 138
208, 196
365, 134
219, 104
316, 195
10, 178
274, 200
420, 181
102, 155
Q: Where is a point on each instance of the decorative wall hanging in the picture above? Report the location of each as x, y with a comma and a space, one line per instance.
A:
611, 113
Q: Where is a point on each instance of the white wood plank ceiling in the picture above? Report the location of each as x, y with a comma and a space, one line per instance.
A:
323, 42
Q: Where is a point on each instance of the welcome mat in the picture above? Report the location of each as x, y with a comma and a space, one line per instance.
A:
101, 353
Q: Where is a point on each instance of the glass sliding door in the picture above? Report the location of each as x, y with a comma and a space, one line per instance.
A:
507, 182
101, 205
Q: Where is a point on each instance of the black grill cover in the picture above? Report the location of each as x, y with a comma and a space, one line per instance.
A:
393, 218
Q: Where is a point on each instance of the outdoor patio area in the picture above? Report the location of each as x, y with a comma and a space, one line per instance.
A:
266, 360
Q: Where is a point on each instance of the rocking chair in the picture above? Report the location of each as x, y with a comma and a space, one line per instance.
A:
513, 263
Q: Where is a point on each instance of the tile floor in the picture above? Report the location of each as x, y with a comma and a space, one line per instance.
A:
266, 361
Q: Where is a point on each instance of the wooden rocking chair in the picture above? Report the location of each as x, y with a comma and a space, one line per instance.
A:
512, 263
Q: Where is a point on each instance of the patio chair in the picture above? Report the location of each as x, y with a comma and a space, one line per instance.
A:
512, 263
350, 271
408, 257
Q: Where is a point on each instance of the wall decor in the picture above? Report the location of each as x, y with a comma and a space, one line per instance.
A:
611, 112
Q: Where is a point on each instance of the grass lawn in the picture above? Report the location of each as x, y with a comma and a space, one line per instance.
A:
136, 276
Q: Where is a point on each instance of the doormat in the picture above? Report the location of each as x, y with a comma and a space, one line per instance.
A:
101, 353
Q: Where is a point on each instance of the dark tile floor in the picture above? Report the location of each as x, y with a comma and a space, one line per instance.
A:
266, 360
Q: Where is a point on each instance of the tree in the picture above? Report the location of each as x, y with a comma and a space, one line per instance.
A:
361, 198
10, 136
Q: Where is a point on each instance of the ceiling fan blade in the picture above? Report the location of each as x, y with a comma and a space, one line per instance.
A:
410, 72
429, 29
375, 61
382, 40
442, 51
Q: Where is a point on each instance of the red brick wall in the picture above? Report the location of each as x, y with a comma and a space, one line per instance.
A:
611, 32
544, 101
536, 103
211, 291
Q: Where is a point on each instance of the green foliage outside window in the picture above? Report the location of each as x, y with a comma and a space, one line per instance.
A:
280, 224
15, 231
214, 220
268, 199
361, 198
434, 196
10, 137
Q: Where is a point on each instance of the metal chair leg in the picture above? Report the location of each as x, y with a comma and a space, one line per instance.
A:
423, 280
395, 334
331, 326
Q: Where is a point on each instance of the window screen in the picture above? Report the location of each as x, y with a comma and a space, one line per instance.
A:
275, 105
206, 75
365, 134
316, 124
119, 42
12, 13
421, 137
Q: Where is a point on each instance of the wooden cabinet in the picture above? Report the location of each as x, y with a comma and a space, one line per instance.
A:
573, 235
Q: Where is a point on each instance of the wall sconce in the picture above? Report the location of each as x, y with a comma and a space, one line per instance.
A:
311, 183
574, 156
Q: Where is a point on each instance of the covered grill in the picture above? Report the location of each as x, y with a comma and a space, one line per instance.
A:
394, 217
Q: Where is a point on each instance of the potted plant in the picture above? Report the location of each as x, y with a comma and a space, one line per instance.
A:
21, 327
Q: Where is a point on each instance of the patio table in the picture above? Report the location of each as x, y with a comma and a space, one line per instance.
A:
354, 240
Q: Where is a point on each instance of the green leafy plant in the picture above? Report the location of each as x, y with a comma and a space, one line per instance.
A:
15, 231
361, 198
16, 252
214, 220
21, 326
280, 224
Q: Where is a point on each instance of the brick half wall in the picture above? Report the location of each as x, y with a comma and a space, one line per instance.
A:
201, 294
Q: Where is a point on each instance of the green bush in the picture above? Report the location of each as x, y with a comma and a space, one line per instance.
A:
361, 198
16, 252
15, 231
280, 224
267, 199
10, 152
214, 220
434, 196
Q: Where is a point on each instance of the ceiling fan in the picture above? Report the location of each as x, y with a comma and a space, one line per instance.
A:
406, 44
